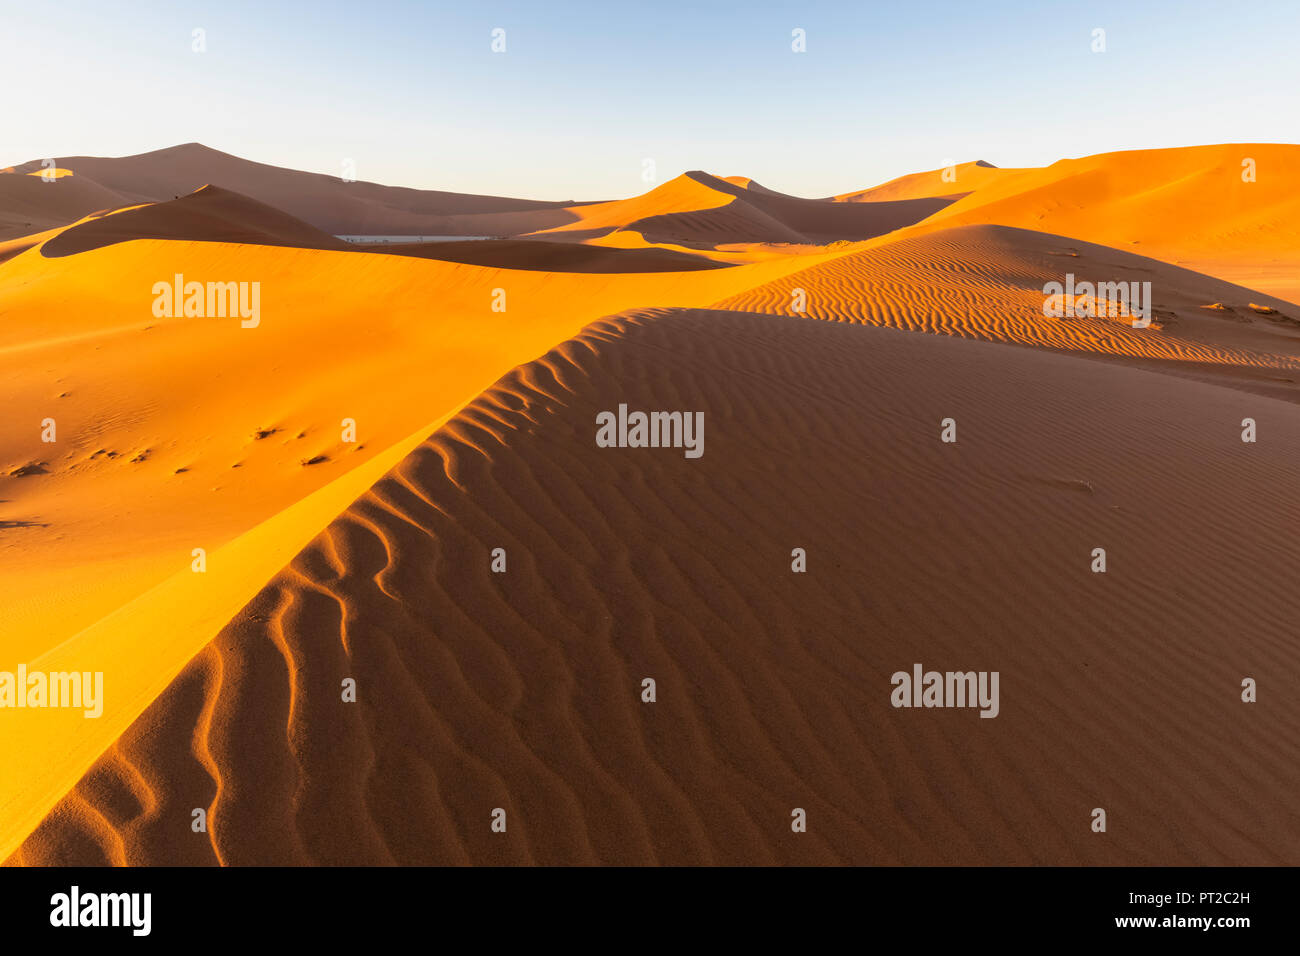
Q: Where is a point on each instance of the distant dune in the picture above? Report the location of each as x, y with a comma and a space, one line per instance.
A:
212, 214
28, 204
698, 207
324, 201
1231, 211
521, 690
1189, 206
950, 183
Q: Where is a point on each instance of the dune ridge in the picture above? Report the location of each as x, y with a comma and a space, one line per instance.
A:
521, 690
325, 201
987, 282
951, 183
213, 214
699, 207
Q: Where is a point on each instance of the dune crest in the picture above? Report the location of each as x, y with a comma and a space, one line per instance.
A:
523, 690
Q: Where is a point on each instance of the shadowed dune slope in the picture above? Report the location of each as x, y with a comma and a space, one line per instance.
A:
986, 282
325, 201
210, 214
29, 204
521, 690
213, 214
538, 254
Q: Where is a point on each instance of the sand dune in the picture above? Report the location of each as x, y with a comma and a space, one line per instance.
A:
324, 201
951, 183
522, 690
210, 214
226, 438
701, 208
28, 204
537, 254
1189, 206
342, 334
986, 282
752, 185
213, 214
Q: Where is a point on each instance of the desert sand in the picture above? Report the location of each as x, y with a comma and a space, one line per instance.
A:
824, 340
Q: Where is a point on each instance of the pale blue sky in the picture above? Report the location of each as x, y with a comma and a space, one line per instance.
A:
586, 91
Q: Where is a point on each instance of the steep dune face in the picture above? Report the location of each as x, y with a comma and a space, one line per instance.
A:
700, 208
987, 282
1231, 211
327, 202
523, 690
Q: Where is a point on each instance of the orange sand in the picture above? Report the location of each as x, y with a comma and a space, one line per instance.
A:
329, 558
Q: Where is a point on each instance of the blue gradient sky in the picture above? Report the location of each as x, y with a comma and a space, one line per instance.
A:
412, 92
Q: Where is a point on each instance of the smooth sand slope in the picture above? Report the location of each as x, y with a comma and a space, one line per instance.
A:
950, 182
30, 204
522, 690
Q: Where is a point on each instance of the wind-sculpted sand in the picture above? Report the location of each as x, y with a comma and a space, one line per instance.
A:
987, 282
194, 432
522, 690
789, 324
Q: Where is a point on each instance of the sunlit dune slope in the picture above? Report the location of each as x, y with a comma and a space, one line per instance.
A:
949, 182
987, 282
697, 207
198, 428
522, 690
732, 253
1190, 206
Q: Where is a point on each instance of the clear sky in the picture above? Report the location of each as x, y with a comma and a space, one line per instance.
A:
585, 92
